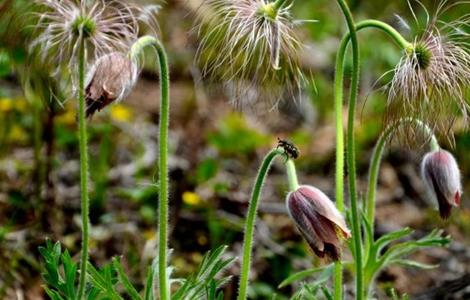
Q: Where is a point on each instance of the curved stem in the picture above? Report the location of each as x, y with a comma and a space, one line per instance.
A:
339, 82
251, 219
137, 48
377, 159
389, 30
351, 159
82, 130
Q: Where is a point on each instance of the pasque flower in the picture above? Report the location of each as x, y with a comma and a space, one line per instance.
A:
249, 43
110, 79
103, 26
317, 218
441, 175
431, 79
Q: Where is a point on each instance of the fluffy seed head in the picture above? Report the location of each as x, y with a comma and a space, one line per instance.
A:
105, 26
109, 80
317, 218
441, 175
250, 43
431, 80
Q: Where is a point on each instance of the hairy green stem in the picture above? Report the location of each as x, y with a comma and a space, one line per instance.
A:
377, 159
350, 153
292, 175
339, 173
251, 219
83, 169
389, 30
137, 48
339, 82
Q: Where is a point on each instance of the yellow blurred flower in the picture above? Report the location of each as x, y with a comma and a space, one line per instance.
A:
21, 104
17, 134
149, 235
121, 113
191, 198
6, 104
67, 118
202, 239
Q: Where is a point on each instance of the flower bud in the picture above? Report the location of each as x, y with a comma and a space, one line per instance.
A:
317, 218
110, 79
441, 175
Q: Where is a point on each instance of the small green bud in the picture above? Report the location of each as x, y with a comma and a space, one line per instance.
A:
84, 24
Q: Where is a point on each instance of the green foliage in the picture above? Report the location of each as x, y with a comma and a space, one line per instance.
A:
60, 272
310, 290
235, 137
5, 63
203, 281
388, 250
111, 282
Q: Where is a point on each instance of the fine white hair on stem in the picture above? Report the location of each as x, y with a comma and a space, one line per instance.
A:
106, 26
431, 80
245, 47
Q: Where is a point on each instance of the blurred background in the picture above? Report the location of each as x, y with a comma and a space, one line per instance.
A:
215, 150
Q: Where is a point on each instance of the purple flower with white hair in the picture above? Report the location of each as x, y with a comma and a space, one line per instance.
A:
319, 221
110, 79
441, 175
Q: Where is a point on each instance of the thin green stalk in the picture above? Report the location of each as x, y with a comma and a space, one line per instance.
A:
292, 175
377, 159
251, 219
137, 48
83, 169
339, 173
339, 81
351, 159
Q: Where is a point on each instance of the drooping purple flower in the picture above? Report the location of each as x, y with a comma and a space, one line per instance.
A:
317, 218
441, 175
110, 79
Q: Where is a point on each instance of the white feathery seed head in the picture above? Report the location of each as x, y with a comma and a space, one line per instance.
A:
250, 43
431, 80
105, 26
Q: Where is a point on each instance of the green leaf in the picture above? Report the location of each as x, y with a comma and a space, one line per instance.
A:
150, 280
70, 272
131, 291
369, 237
196, 284
386, 239
412, 263
300, 276
104, 281
326, 293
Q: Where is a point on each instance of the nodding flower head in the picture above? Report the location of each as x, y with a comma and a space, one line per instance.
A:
109, 80
250, 43
441, 175
431, 79
317, 218
103, 26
